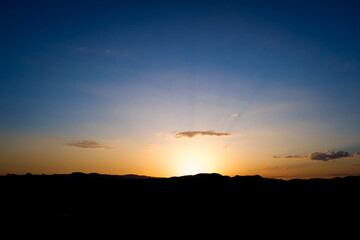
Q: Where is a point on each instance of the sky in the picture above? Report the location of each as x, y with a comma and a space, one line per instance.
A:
170, 88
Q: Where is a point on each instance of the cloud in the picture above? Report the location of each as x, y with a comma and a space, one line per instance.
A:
323, 156
289, 156
236, 115
326, 156
82, 48
88, 144
108, 51
191, 134
152, 146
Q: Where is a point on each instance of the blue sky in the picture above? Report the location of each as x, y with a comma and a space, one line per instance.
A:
98, 70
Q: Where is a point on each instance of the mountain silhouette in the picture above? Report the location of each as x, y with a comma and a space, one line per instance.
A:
200, 198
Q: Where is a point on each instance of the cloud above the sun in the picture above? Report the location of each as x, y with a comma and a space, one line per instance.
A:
191, 134
87, 144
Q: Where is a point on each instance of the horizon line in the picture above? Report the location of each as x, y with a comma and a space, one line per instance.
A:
179, 176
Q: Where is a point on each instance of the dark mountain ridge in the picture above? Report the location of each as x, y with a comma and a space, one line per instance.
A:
80, 195
79, 175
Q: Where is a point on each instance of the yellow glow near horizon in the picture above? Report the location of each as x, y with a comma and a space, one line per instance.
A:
193, 161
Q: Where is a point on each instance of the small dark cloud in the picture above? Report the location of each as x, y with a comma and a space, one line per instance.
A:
323, 156
191, 134
88, 144
326, 156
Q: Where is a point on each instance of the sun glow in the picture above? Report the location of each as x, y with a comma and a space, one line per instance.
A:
193, 162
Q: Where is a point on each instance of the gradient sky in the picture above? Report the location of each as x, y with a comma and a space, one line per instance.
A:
165, 88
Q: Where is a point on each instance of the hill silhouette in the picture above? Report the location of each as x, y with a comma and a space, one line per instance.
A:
197, 199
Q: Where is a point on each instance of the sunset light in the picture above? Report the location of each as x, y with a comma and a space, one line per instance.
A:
194, 162
163, 116
171, 88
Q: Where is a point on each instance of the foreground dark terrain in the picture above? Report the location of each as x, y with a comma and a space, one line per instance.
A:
201, 197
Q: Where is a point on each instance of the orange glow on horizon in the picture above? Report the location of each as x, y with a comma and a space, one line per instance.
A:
194, 161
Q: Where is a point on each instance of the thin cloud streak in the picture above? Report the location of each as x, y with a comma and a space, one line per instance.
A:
289, 156
87, 144
191, 134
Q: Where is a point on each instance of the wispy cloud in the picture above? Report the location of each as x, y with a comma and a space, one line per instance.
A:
88, 144
323, 156
92, 50
289, 156
191, 134
80, 48
152, 146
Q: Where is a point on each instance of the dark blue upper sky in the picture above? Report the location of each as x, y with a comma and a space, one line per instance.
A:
68, 63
